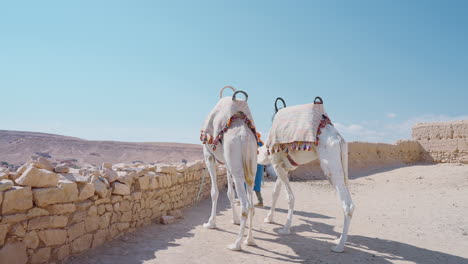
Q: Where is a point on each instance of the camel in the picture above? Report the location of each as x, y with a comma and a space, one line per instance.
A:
329, 148
229, 137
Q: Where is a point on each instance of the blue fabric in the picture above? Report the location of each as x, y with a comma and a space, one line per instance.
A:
258, 178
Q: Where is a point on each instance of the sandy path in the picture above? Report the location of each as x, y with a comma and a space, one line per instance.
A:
413, 214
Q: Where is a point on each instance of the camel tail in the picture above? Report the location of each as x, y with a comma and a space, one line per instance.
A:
344, 159
249, 160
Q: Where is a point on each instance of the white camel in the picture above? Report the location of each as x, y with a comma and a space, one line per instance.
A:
229, 137
329, 148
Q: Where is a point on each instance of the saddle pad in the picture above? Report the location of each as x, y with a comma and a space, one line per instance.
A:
296, 126
220, 117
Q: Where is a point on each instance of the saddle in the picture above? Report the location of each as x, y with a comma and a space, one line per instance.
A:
297, 127
221, 117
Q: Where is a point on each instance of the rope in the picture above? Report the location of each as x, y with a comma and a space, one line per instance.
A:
201, 185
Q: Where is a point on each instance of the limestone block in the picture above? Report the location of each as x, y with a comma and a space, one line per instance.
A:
110, 175
35, 212
81, 244
116, 198
14, 218
92, 223
43, 222
66, 192
100, 187
136, 196
105, 220
120, 188
101, 209
123, 226
92, 210
35, 177
4, 175
58, 209
17, 199
125, 206
166, 168
5, 185
126, 217
13, 252
76, 230
62, 168
120, 166
41, 256
83, 205
86, 191
3, 232
167, 219
53, 237
100, 237
74, 177
176, 213
31, 240
126, 177
143, 182
43, 163
61, 252
106, 165
16, 230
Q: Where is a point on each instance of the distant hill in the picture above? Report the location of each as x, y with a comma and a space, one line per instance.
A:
16, 147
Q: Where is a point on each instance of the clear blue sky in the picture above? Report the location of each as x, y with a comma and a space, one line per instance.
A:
151, 70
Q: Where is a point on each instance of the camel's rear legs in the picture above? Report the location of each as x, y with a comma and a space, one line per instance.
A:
330, 153
231, 196
282, 178
274, 198
210, 164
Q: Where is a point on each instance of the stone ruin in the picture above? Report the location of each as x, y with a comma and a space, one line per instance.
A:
50, 213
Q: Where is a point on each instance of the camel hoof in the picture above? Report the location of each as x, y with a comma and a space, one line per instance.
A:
235, 222
250, 242
234, 247
284, 231
337, 249
268, 220
209, 225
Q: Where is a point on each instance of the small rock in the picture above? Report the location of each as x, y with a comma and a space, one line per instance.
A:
62, 168
106, 165
5, 185
35, 177
167, 219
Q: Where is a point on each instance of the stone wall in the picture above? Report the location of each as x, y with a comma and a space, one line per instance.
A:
48, 214
444, 141
365, 156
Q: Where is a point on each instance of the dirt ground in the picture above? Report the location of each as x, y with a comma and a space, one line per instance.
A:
416, 214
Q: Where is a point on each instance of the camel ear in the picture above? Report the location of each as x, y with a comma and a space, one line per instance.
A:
262, 157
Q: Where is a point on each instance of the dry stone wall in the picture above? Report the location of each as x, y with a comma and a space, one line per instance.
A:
444, 141
50, 213
364, 156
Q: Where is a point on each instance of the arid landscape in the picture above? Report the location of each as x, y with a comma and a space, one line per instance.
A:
410, 201
16, 147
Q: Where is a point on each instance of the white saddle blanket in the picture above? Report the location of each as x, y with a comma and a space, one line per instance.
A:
221, 113
296, 124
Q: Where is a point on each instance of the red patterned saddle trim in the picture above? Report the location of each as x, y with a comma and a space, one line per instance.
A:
301, 145
213, 141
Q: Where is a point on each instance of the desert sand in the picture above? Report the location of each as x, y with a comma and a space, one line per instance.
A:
414, 214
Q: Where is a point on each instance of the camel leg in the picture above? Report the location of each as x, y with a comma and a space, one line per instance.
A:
283, 176
250, 240
274, 199
244, 204
231, 196
331, 162
210, 164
